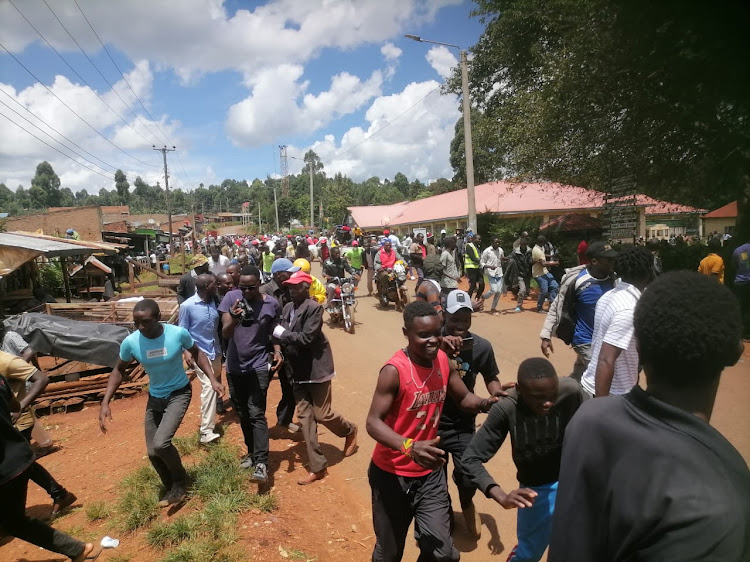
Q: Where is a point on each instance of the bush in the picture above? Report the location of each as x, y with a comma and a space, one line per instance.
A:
52, 278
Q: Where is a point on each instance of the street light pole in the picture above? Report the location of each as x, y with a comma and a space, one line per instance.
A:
312, 206
276, 206
468, 146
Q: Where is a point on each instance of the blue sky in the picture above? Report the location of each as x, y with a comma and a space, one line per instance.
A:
227, 82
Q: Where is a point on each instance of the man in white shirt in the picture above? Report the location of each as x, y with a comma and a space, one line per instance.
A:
614, 362
491, 264
217, 263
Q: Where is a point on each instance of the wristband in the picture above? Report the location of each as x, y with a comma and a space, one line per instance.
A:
406, 447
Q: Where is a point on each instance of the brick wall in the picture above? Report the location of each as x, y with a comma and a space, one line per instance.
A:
84, 220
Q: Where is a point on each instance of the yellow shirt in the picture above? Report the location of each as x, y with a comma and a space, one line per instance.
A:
318, 290
712, 264
18, 371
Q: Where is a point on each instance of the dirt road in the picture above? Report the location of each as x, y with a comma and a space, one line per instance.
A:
330, 520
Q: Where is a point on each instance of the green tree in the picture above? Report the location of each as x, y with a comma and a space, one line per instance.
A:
488, 164
6, 195
122, 186
401, 183
588, 91
45, 187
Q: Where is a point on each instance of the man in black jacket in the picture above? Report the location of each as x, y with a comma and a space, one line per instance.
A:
644, 476
309, 362
522, 263
535, 415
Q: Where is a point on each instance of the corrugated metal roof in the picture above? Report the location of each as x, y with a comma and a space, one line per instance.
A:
728, 211
52, 247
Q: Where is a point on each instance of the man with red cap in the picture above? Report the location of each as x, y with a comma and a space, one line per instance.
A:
309, 362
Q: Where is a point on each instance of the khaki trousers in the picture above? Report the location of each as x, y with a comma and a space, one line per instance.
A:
208, 396
314, 407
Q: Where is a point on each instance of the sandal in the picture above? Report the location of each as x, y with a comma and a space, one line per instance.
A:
96, 550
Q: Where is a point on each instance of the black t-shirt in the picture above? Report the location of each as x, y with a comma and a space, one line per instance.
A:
480, 359
15, 452
643, 480
536, 440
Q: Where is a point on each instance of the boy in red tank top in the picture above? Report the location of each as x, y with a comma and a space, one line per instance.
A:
406, 474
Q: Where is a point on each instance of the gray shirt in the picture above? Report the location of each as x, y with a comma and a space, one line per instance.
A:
450, 271
13, 343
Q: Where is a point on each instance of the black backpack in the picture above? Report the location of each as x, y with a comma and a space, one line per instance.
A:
566, 325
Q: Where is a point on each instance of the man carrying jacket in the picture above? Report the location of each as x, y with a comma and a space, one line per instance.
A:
589, 282
309, 363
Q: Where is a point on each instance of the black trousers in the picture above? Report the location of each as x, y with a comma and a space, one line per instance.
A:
285, 409
476, 279
454, 442
14, 521
742, 291
396, 500
249, 392
39, 475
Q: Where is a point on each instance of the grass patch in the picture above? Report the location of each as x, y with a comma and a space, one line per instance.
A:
120, 558
138, 505
97, 511
296, 554
220, 492
187, 444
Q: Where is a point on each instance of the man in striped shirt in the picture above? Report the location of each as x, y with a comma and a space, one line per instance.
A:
614, 362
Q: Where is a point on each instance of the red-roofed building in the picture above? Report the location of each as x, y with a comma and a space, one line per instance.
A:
723, 220
547, 201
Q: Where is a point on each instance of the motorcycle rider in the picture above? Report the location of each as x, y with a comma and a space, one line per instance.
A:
336, 266
385, 259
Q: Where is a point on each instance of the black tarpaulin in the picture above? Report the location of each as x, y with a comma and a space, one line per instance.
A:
90, 342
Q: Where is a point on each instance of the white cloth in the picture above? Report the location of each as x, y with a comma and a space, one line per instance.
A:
278, 330
218, 267
208, 396
395, 242
13, 343
492, 258
613, 324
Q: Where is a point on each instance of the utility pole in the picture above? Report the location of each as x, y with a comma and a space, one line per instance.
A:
312, 207
260, 221
164, 151
276, 206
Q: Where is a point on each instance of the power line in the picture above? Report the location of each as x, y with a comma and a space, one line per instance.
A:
53, 148
55, 130
57, 141
77, 74
101, 74
74, 112
387, 124
120, 71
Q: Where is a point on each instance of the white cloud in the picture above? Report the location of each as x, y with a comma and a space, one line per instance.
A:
416, 142
198, 36
273, 110
442, 60
390, 51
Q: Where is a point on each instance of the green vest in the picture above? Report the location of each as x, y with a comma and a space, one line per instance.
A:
471, 251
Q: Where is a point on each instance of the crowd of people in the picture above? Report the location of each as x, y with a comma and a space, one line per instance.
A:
605, 469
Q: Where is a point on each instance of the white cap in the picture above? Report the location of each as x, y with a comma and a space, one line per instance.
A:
458, 299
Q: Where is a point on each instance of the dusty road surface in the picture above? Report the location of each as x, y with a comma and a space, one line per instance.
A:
330, 520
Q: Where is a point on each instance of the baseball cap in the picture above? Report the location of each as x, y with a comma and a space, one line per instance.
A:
283, 264
299, 277
355, 243
458, 299
70, 231
600, 250
255, 242
386, 232
199, 260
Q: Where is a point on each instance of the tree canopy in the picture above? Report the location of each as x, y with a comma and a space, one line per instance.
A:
588, 91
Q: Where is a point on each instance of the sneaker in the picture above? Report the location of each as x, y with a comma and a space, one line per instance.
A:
260, 474
246, 462
518, 309
176, 495
209, 438
164, 500
291, 426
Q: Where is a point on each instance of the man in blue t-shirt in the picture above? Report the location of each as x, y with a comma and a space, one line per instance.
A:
248, 320
158, 347
589, 282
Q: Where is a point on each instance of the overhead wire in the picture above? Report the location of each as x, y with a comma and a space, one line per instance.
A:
112, 170
56, 149
74, 112
77, 74
166, 139
114, 90
55, 130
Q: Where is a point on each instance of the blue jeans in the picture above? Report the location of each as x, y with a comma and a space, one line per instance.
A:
548, 288
534, 524
496, 284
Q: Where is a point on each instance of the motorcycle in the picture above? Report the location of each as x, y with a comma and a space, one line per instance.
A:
341, 307
396, 288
